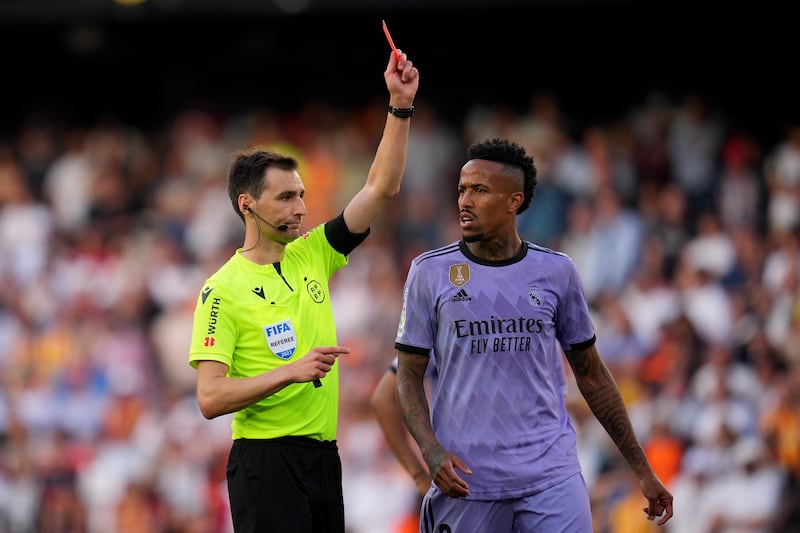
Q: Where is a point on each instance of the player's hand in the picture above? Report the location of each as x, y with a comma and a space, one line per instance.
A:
317, 363
402, 80
659, 500
442, 465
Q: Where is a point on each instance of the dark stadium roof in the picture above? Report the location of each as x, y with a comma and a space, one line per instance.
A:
600, 56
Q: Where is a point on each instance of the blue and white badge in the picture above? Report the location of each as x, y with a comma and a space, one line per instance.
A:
281, 338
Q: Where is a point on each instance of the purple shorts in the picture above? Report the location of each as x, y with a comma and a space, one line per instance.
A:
563, 508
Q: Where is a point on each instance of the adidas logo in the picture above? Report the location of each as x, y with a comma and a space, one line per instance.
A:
461, 296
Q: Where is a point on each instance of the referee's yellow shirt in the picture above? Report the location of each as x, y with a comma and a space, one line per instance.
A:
254, 319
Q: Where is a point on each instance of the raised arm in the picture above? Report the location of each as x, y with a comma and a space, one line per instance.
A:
384, 404
414, 406
602, 395
386, 172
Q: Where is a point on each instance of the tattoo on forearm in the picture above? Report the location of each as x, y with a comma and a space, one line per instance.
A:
579, 361
635, 456
602, 395
413, 402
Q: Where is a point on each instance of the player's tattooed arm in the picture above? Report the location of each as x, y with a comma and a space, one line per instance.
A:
412, 399
601, 393
444, 466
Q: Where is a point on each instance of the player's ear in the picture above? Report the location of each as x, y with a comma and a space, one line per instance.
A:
515, 200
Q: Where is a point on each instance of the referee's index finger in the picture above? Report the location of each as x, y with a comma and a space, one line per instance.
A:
336, 351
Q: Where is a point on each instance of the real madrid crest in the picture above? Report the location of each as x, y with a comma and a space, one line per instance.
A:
459, 274
534, 294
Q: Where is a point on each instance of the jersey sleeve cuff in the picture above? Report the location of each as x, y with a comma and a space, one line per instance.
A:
340, 237
412, 349
585, 344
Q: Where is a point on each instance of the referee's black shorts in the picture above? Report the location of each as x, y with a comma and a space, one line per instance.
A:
285, 485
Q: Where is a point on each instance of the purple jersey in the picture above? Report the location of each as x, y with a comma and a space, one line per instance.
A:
498, 396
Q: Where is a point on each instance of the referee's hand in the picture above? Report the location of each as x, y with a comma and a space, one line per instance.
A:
317, 363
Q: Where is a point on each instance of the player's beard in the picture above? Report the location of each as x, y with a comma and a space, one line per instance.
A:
472, 237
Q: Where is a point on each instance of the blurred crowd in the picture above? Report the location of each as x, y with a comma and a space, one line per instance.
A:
684, 226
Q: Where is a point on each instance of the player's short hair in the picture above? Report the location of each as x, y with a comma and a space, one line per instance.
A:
508, 153
248, 169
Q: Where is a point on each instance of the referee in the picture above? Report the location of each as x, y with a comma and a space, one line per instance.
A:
264, 340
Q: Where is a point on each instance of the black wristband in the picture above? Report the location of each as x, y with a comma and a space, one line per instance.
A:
401, 112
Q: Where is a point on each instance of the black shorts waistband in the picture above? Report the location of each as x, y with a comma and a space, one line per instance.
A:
306, 442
